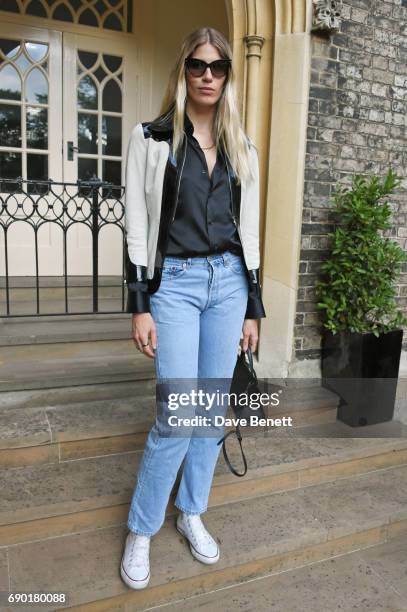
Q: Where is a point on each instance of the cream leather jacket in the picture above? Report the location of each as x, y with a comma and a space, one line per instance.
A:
153, 177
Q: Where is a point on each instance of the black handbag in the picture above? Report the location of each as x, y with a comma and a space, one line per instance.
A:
244, 381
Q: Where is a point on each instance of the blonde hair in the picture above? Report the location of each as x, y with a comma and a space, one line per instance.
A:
229, 133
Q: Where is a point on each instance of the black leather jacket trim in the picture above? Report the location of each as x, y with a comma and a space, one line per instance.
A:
138, 302
138, 297
255, 308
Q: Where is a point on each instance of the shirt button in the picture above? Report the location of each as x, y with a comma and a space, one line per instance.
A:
210, 222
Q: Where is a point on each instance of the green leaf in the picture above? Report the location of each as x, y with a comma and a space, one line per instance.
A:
358, 281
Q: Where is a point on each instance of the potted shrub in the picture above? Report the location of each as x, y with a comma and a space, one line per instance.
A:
362, 326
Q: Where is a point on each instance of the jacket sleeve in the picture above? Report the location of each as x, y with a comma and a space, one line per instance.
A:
136, 224
255, 308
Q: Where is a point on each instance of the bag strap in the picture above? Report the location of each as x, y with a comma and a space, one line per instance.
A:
236, 431
239, 437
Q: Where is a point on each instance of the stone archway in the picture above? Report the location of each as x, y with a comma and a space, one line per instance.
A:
271, 44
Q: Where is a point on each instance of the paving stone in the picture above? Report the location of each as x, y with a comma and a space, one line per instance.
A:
64, 396
56, 489
73, 486
4, 578
389, 561
64, 328
274, 524
74, 363
28, 427
102, 418
365, 580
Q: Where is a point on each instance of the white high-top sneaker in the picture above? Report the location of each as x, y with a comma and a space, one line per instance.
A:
202, 545
135, 565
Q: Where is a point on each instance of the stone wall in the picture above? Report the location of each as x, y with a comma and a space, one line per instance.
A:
356, 124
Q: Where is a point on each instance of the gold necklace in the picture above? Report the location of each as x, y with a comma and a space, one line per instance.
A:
207, 148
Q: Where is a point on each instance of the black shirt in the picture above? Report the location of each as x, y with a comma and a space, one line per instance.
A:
203, 223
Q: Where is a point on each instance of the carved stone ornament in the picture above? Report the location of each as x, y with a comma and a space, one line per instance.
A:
326, 16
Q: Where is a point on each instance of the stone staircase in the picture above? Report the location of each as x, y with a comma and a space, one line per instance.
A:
51, 294
76, 403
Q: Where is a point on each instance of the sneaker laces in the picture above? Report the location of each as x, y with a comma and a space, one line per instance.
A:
198, 528
139, 549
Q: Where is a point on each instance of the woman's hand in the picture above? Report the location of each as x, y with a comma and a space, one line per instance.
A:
143, 326
250, 335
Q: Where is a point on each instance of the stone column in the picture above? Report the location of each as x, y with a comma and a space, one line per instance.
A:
254, 44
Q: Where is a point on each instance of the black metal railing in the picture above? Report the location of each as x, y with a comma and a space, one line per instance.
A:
91, 203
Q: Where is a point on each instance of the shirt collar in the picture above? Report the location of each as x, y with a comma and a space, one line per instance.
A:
189, 129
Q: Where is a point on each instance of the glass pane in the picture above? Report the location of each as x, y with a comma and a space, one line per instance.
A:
112, 97
100, 7
129, 15
10, 48
112, 22
112, 171
87, 133
36, 87
10, 5
87, 58
10, 125
22, 62
37, 128
37, 166
37, 51
88, 17
10, 168
62, 13
37, 169
111, 135
87, 168
87, 93
112, 174
10, 83
75, 4
113, 62
100, 74
35, 8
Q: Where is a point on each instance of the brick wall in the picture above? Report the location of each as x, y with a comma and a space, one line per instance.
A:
357, 120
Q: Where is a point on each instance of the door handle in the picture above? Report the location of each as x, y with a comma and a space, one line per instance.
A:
71, 150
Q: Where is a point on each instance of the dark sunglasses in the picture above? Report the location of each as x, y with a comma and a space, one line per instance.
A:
197, 67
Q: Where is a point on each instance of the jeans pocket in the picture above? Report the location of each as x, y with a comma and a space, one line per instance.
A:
172, 269
236, 264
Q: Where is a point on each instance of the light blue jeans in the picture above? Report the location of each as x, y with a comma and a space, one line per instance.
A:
199, 312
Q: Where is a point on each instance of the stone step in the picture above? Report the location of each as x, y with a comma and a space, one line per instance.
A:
24, 287
79, 362
26, 331
56, 307
27, 294
61, 498
16, 282
47, 432
63, 396
372, 578
258, 536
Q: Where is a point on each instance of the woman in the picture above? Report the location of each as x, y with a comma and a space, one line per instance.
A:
192, 228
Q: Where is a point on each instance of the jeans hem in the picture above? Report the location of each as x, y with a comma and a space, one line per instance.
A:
141, 532
187, 511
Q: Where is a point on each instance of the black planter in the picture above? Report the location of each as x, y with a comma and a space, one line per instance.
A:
363, 370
